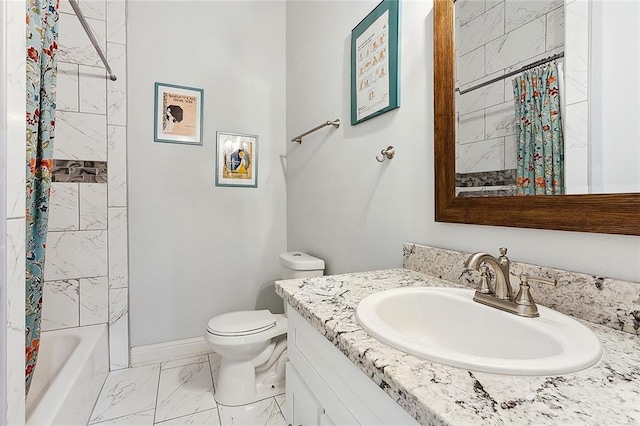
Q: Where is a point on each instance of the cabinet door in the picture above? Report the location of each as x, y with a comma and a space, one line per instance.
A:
302, 408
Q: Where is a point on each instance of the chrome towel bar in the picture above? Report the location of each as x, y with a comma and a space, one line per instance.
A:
335, 123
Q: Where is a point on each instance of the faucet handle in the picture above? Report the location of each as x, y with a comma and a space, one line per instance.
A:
485, 288
524, 297
525, 278
503, 251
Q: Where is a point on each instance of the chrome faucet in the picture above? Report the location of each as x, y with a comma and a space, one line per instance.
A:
500, 267
501, 297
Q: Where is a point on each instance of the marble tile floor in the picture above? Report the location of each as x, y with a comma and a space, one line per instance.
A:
178, 392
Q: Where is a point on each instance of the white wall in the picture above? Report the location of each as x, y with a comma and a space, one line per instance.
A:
197, 250
354, 212
615, 155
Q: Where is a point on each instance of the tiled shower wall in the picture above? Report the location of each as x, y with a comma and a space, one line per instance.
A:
492, 38
86, 272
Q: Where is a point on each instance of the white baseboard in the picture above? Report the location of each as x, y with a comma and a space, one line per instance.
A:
167, 351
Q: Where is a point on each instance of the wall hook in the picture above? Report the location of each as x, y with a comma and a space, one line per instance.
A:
389, 153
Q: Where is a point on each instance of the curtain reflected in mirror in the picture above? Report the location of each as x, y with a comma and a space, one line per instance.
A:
529, 99
600, 110
509, 137
539, 138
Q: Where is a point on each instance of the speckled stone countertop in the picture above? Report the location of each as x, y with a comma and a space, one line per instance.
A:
435, 394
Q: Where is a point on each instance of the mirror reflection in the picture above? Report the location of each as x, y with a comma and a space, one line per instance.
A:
532, 94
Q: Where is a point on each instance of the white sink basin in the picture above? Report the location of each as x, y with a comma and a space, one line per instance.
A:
445, 325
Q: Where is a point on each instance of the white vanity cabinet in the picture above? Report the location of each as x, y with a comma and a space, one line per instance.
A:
325, 388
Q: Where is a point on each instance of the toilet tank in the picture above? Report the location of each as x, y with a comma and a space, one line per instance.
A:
295, 264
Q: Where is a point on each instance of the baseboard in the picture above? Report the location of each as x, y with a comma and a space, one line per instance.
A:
167, 351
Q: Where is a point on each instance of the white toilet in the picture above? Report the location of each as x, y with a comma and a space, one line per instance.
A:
253, 344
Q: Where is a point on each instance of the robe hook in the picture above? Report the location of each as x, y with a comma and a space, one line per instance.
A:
388, 153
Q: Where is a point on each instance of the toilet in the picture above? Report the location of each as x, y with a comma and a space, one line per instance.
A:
253, 344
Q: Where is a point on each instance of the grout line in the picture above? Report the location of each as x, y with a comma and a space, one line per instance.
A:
79, 204
183, 417
213, 390
95, 404
280, 408
78, 83
79, 304
213, 384
155, 408
108, 421
185, 365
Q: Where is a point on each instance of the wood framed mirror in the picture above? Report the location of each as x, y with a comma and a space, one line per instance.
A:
601, 213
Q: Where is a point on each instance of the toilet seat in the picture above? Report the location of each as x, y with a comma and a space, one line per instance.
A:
241, 323
277, 329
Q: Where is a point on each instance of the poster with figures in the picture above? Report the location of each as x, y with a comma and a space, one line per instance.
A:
373, 67
374, 63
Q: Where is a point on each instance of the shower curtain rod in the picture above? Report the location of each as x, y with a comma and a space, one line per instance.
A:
518, 71
85, 25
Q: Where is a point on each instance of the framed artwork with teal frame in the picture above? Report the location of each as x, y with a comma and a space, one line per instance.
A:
237, 159
178, 114
375, 71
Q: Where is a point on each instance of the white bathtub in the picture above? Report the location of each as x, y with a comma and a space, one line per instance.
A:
72, 367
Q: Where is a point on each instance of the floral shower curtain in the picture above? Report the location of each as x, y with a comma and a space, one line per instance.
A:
42, 36
540, 141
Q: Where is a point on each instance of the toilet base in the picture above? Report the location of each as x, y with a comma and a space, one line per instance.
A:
241, 383
233, 393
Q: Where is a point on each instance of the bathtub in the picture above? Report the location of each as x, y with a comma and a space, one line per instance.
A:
72, 367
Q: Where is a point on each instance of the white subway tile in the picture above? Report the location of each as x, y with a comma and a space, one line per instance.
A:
60, 305
510, 152
67, 87
466, 10
518, 45
500, 120
94, 9
75, 46
117, 162
93, 206
471, 127
118, 265
94, 300
81, 136
63, 208
555, 29
76, 255
576, 127
471, 66
481, 30
482, 156
518, 13
119, 328
93, 90
116, 21
577, 52
483, 97
117, 90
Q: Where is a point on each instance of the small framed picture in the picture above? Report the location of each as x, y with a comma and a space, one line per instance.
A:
375, 77
237, 160
178, 114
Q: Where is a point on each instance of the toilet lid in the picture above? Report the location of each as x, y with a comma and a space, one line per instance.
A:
241, 322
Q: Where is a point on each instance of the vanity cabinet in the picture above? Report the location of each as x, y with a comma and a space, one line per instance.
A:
325, 388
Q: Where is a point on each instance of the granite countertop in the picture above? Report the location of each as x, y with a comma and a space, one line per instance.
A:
435, 394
